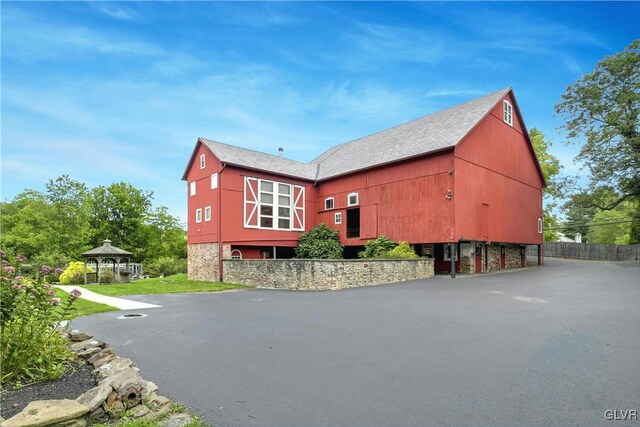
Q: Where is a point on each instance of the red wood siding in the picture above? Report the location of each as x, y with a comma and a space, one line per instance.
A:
205, 231
233, 231
404, 201
498, 194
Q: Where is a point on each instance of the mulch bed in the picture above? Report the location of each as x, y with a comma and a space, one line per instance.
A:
69, 386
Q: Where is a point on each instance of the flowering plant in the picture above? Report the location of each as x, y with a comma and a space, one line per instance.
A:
32, 347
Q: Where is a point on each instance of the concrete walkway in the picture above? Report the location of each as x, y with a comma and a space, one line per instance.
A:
122, 304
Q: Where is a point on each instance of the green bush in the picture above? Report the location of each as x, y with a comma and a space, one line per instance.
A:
107, 277
31, 347
74, 273
320, 242
378, 248
166, 266
403, 250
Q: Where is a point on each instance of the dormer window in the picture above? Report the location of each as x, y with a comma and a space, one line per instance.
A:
328, 203
507, 114
352, 199
202, 161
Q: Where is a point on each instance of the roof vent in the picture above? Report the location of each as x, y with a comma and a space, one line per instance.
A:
106, 242
280, 151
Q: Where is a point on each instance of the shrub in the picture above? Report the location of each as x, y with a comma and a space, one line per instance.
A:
107, 276
166, 266
74, 273
378, 248
31, 347
403, 250
320, 242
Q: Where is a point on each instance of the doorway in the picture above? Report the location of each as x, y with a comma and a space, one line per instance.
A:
353, 223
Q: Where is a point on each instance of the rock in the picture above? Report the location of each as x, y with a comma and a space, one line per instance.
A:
89, 352
98, 416
161, 401
95, 397
111, 400
117, 365
176, 420
78, 422
139, 411
76, 335
124, 378
116, 410
47, 412
86, 344
149, 392
149, 397
106, 355
159, 412
129, 394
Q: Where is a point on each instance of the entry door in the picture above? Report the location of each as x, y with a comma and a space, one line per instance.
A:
478, 258
503, 257
523, 256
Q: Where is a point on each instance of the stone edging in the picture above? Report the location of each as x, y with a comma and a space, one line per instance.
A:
120, 389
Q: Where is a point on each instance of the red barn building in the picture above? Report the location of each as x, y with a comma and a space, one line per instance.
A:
464, 180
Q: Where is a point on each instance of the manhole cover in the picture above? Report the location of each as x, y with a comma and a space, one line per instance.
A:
131, 316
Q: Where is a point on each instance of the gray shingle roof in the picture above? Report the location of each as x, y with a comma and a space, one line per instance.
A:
257, 160
434, 132
105, 250
427, 134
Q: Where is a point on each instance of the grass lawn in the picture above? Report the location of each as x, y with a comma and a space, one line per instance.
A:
83, 307
165, 285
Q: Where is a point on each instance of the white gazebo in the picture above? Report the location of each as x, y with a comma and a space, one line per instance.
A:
107, 253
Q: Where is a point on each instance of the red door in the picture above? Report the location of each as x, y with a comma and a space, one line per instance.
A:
503, 257
478, 259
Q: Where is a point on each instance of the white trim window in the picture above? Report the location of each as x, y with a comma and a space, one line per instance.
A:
353, 199
198, 215
540, 225
329, 203
273, 205
507, 112
214, 181
192, 188
207, 213
202, 161
337, 218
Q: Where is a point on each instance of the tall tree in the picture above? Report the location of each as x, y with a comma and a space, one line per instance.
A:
551, 168
603, 108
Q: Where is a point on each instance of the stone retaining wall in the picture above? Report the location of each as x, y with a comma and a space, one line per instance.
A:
202, 261
307, 274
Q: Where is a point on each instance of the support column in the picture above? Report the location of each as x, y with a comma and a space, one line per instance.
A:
453, 259
85, 271
486, 257
539, 254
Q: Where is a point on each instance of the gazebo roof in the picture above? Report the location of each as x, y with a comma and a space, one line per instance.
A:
105, 250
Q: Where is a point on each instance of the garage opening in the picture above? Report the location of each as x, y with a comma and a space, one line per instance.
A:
353, 223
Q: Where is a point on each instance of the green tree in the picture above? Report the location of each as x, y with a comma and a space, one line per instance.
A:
577, 219
612, 226
378, 248
25, 220
321, 242
551, 168
603, 107
403, 250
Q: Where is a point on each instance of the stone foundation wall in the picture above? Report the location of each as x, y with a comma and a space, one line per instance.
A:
323, 274
512, 259
202, 261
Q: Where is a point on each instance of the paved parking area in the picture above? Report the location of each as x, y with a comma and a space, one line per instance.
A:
557, 345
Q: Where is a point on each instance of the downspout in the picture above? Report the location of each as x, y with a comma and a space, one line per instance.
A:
220, 278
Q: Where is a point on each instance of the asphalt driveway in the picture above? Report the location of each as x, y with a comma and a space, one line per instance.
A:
557, 345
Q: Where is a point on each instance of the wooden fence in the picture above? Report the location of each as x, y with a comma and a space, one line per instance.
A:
588, 251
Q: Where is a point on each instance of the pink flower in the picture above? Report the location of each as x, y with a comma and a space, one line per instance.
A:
18, 278
5, 262
9, 269
59, 270
2, 254
45, 269
15, 287
52, 293
21, 258
75, 293
55, 301
47, 286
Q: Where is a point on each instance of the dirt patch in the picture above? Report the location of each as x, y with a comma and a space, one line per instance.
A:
69, 386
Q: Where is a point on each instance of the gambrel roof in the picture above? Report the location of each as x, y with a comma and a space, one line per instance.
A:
435, 132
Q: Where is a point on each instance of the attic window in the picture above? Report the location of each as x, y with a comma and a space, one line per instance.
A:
328, 203
507, 112
352, 199
202, 157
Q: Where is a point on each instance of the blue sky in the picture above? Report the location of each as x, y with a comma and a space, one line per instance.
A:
111, 91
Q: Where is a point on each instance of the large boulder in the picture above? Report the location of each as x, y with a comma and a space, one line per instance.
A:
47, 412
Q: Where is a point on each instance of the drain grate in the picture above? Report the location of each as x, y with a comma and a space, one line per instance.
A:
131, 316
